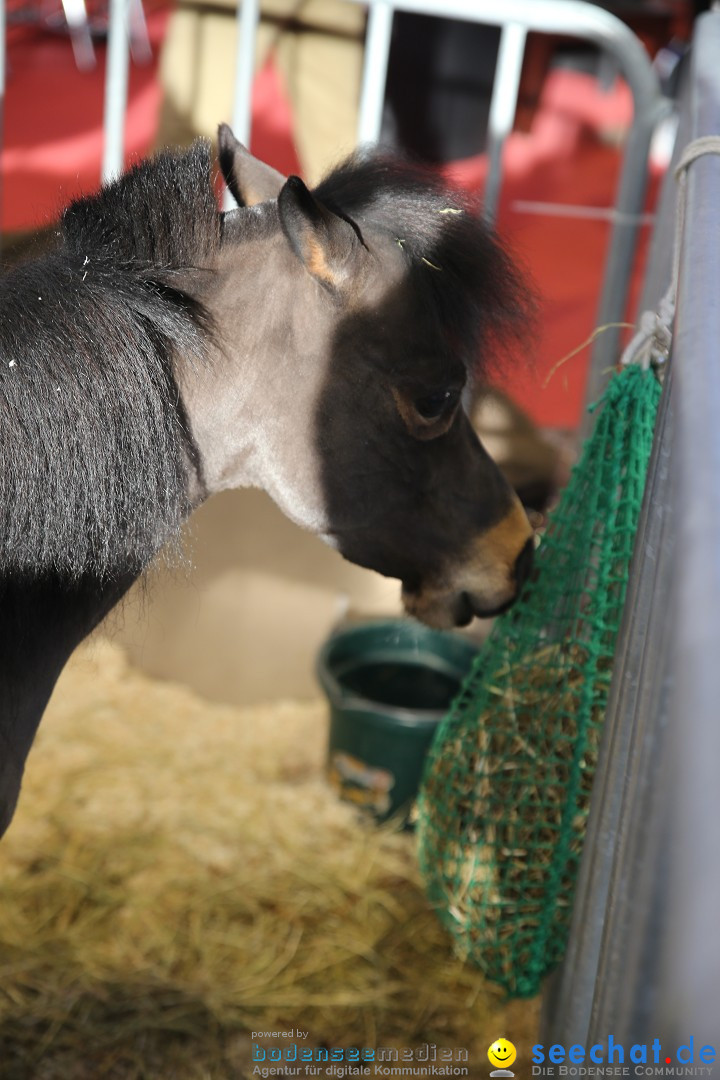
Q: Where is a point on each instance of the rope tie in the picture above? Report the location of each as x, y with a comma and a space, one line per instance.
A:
653, 340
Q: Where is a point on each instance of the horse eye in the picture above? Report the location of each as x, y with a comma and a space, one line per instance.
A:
431, 406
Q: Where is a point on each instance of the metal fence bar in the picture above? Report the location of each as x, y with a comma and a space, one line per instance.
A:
377, 53
690, 1002
3, 78
116, 90
248, 15
76, 19
623, 242
3, 51
503, 105
627, 978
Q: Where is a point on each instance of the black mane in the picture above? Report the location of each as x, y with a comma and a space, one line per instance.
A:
95, 448
482, 299
161, 213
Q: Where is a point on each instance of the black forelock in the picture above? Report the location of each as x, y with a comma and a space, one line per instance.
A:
453, 256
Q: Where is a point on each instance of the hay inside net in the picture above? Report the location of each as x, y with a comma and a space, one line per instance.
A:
507, 786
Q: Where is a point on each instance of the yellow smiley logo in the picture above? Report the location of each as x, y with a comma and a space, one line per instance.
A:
502, 1054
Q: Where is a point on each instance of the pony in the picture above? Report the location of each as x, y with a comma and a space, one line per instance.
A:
312, 343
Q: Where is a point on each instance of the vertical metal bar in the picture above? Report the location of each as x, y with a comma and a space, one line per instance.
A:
503, 105
116, 90
76, 18
691, 983
140, 47
623, 240
635, 816
248, 14
3, 80
377, 51
3, 48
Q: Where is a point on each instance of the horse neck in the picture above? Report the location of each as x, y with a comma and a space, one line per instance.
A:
42, 622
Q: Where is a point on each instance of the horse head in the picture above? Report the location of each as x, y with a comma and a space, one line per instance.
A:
347, 320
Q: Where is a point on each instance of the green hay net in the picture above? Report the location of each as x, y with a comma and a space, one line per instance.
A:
506, 790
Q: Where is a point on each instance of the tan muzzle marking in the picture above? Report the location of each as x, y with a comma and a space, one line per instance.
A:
501, 545
486, 573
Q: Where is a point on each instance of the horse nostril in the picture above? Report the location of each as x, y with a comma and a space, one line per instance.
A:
523, 563
464, 611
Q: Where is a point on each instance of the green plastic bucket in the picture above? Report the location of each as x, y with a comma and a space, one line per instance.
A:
389, 684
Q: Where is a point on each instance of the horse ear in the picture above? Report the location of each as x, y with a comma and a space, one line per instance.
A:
323, 241
250, 180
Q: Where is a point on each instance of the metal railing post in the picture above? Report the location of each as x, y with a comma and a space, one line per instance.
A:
248, 15
690, 991
3, 80
503, 105
377, 53
116, 90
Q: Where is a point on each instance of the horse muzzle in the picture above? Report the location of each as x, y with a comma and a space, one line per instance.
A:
484, 584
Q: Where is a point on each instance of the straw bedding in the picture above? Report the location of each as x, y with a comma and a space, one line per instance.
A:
179, 875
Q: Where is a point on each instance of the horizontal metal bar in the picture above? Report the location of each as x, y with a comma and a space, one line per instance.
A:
570, 210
